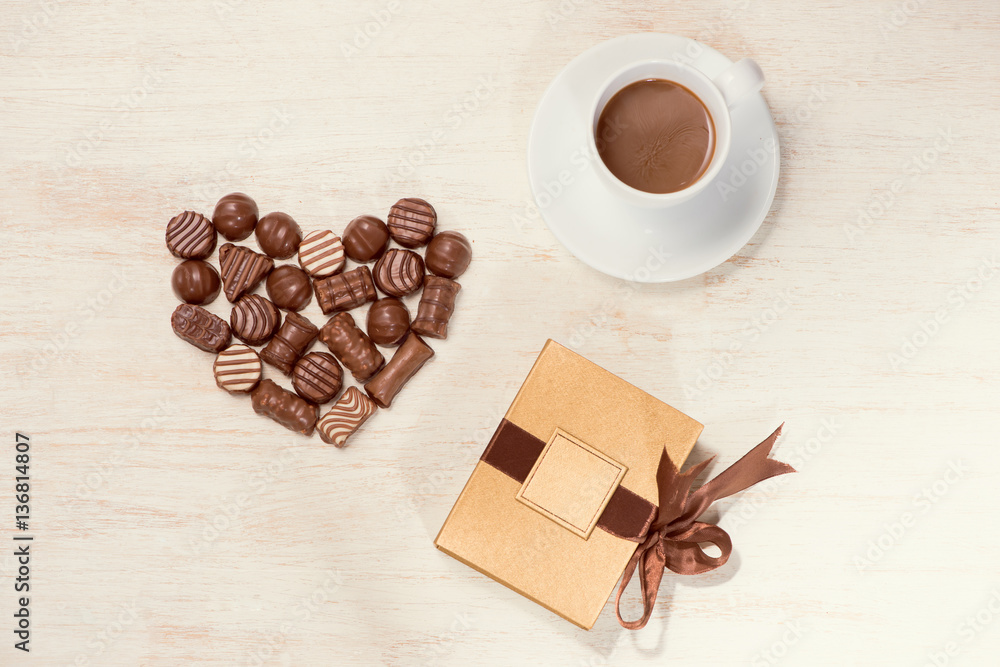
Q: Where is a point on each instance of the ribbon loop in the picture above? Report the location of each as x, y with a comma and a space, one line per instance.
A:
674, 539
684, 552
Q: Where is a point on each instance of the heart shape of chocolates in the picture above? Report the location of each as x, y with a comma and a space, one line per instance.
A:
273, 333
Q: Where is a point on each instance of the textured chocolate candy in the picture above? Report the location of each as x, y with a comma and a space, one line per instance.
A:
289, 287
278, 235
388, 321
321, 254
365, 238
200, 328
190, 235
292, 340
242, 270
345, 291
399, 272
351, 346
412, 222
448, 255
437, 303
345, 417
195, 281
293, 412
408, 359
235, 216
254, 319
237, 369
317, 377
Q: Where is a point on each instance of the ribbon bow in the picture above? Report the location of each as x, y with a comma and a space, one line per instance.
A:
672, 540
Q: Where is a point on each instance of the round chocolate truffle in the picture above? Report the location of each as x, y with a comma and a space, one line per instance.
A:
388, 321
365, 238
412, 222
448, 255
289, 287
196, 282
399, 272
278, 235
317, 377
190, 235
235, 216
254, 319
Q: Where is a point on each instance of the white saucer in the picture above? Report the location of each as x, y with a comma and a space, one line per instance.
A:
621, 240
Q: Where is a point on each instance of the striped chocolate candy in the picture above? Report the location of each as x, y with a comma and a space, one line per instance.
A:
190, 235
242, 270
345, 417
321, 254
399, 272
411, 222
255, 320
317, 377
237, 369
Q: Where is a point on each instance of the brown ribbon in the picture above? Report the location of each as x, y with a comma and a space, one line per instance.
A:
513, 451
669, 535
672, 541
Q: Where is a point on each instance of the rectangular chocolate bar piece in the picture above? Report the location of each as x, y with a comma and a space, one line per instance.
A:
345, 291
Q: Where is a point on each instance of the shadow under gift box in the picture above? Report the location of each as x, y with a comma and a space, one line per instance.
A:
572, 463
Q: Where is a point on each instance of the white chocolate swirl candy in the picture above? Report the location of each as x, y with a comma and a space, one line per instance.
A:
345, 417
321, 254
237, 369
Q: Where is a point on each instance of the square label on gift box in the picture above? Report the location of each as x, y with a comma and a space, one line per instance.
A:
571, 483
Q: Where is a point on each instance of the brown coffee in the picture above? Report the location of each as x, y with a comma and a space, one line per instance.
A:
656, 136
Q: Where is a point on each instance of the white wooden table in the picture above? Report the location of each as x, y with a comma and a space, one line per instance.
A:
172, 525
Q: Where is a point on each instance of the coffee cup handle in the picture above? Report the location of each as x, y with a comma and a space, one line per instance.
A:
742, 79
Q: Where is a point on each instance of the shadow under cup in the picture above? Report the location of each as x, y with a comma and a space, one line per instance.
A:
660, 132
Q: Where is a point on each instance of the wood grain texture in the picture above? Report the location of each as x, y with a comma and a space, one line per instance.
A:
173, 525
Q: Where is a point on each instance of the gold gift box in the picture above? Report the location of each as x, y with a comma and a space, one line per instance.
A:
571, 467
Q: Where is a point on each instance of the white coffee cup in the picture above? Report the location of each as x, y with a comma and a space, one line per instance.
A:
719, 95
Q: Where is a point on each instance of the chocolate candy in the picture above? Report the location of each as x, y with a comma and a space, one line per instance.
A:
399, 272
411, 222
237, 369
345, 291
289, 287
351, 346
235, 216
437, 303
448, 255
365, 238
190, 235
278, 235
317, 377
200, 328
321, 254
291, 411
345, 417
242, 270
293, 338
195, 281
407, 360
388, 321
254, 319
